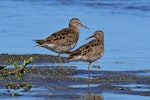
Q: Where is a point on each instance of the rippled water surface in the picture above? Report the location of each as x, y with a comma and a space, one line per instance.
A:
125, 24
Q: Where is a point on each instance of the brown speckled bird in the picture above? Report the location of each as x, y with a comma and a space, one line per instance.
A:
91, 51
64, 40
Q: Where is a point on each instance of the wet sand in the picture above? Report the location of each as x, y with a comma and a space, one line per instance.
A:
60, 83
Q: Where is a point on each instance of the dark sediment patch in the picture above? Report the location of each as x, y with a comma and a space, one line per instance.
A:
58, 79
8, 59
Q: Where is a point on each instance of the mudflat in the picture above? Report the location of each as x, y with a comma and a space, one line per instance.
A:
66, 82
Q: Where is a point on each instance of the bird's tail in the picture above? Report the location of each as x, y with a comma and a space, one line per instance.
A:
71, 55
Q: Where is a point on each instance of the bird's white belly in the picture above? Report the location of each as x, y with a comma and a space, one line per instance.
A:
58, 48
90, 59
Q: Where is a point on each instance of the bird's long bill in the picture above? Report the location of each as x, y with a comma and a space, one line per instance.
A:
84, 26
90, 37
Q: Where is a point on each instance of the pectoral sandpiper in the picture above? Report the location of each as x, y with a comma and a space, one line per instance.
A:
91, 51
63, 40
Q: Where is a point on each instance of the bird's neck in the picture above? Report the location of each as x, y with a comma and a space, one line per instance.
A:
101, 41
75, 29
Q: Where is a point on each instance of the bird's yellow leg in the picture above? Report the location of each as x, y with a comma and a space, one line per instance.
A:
89, 70
95, 63
60, 60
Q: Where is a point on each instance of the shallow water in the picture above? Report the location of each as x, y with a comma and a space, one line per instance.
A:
111, 96
125, 24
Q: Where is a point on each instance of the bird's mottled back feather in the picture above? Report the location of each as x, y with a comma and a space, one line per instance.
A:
63, 40
91, 51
